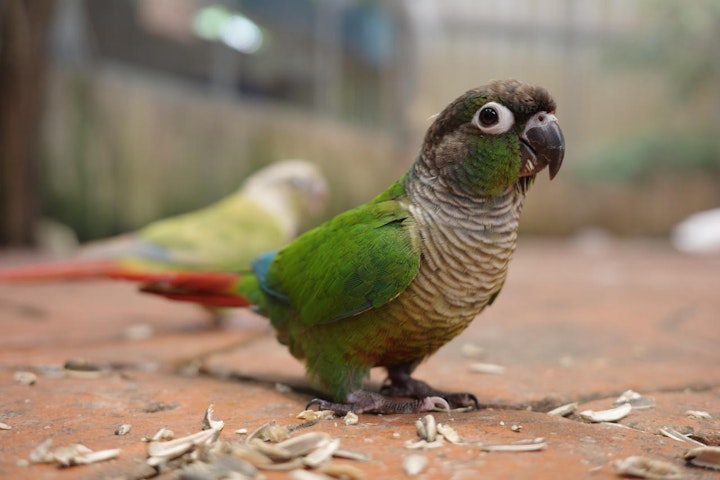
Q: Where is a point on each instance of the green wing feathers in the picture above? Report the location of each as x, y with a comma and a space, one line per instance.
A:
327, 275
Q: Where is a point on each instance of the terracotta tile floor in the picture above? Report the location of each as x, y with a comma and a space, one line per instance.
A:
576, 322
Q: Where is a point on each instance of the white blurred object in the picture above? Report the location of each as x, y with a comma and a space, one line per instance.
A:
55, 238
699, 233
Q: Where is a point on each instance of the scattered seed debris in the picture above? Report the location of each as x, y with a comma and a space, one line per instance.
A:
680, 437
643, 467
563, 410
123, 429
698, 414
472, 350
427, 428
706, 457
162, 452
322, 454
241, 431
316, 415
303, 444
610, 415
635, 399
449, 434
428, 434
269, 432
75, 454
270, 447
305, 475
222, 467
516, 428
532, 445
351, 455
351, 419
5, 426
208, 423
424, 444
25, 378
162, 434
342, 471
487, 368
414, 464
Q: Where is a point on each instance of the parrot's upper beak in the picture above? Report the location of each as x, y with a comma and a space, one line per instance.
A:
542, 144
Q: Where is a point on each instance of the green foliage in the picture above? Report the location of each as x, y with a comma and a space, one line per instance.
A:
639, 158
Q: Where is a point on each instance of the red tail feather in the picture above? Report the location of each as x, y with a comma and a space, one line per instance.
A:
211, 289
70, 270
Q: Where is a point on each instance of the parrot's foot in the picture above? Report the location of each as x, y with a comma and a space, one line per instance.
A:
403, 385
362, 401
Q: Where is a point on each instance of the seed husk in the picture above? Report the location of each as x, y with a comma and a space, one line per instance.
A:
414, 464
5, 426
249, 454
706, 457
123, 429
316, 415
472, 350
351, 455
351, 418
75, 454
532, 445
322, 453
638, 401
159, 452
304, 444
284, 466
270, 432
680, 437
272, 451
424, 444
487, 368
208, 422
698, 414
343, 471
610, 415
643, 467
563, 410
449, 434
427, 428
305, 475
25, 378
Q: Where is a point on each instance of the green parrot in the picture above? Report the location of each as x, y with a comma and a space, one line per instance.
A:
388, 283
264, 214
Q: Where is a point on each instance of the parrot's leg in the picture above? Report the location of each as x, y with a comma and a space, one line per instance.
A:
403, 385
362, 401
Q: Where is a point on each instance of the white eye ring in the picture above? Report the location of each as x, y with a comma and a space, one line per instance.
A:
493, 118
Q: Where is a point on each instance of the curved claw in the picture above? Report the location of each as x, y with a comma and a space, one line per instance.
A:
362, 401
429, 404
462, 400
340, 409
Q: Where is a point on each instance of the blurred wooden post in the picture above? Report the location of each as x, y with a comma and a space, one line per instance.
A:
24, 30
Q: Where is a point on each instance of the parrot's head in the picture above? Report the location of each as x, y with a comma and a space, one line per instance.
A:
293, 188
493, 138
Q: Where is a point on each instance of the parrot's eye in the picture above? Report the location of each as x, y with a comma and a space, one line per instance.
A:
493, 118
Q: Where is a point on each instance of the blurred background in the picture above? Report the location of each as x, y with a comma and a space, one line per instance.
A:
117, 112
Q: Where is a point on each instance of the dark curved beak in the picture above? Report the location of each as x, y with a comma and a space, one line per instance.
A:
542, 145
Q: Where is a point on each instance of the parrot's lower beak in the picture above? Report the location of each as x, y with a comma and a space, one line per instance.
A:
542, 145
